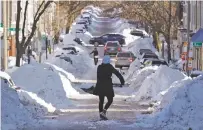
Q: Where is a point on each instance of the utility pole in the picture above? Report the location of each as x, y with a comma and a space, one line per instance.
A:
39, 35
188, 38
5, 40
58, 16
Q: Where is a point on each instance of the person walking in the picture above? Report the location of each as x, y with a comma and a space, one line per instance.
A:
104, 85
29, 54
96, 55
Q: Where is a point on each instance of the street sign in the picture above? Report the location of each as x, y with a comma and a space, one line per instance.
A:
190, 64
12, 29
184, 49
197, 44
1, 24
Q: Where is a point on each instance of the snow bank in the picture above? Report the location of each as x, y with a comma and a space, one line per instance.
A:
158, 82
12, 62
13, 114
49, 85
181, 107
137, 78
81, 65
129, 38
140, 43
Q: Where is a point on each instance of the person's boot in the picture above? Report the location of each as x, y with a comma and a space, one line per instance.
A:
103, 116
104, 111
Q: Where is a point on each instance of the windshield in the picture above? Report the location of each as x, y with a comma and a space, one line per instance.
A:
123, 55
112, 44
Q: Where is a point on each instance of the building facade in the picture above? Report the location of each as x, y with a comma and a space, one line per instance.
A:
196, 22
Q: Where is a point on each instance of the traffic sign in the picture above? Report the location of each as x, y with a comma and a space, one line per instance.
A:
197, 44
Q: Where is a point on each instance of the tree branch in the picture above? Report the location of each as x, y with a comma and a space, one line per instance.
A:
24, 20
39, 9
34, 26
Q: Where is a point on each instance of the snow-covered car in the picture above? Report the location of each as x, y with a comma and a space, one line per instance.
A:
80, 30
66, 58
154, 62
71, 49
196, 73
6, 79
141, 51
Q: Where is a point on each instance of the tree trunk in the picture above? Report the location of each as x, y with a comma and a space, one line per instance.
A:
155, 42
169, 47
18, 57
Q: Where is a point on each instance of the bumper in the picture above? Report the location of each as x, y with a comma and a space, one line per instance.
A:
119, 65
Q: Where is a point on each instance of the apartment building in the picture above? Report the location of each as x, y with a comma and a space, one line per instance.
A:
196, 23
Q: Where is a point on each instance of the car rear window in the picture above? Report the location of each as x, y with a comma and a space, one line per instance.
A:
159, 63
150, 56
113, 44
123, 55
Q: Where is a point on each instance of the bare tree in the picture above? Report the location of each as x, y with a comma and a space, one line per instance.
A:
160, 15
25, 41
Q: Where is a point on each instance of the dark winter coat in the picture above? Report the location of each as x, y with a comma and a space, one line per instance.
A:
104, 85
95, 53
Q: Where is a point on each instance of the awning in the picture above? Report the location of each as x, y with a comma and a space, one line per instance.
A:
198, 36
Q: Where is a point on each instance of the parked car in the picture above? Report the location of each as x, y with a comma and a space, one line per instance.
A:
112, 48
66, 58
124, 59
155, 62
80, 31
84, 22
137, 33
196, 73
71, 48
78, 40
149, 56
141, 51
101, 40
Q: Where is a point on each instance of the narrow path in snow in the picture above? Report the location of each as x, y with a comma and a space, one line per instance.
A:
85, 116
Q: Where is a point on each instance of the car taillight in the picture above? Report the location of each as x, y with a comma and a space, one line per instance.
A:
131, 59
119, 49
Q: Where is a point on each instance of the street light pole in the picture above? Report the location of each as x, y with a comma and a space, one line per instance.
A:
5, 29
188, 38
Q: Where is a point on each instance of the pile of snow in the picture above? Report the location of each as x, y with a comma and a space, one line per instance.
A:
134, 66
129, 38
82, 63
158, 82
180, 108
12, 61
139, 76
13, 114
138, 44
45, 83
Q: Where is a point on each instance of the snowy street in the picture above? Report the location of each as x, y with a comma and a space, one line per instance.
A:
85, 115
59, 90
